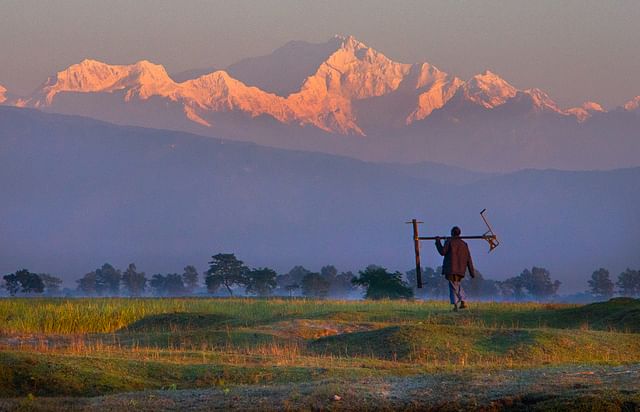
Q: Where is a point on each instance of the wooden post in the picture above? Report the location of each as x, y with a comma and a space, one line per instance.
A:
488, 236
416, 247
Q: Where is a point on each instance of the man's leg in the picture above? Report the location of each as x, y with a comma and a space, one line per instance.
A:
453, 293
461, 296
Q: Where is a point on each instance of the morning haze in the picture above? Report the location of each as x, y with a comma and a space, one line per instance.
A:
574, 50
319, 205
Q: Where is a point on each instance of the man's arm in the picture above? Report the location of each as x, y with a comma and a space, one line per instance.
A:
443, 250
472, 270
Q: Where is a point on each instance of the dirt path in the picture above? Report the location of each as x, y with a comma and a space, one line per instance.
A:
564, 388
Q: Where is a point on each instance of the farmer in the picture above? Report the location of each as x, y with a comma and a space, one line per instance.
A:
457, 259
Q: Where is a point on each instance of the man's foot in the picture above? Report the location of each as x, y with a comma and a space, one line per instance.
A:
463, 305
455, 308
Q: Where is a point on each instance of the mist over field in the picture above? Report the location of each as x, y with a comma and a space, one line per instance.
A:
79, 193
214, 205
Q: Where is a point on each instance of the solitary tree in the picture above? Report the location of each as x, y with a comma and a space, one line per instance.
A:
292, 280
600, 285
108, 280
341, 285
190, 278
433, 282
512, 288
382, 284
538, 283
629, 283
167, 285
329, 272
225, 269
31, 282
134, 281
87, 284
51, 283
261, 281
174, 284
158, 284
315, 285
23, 281
11, 284
298, 272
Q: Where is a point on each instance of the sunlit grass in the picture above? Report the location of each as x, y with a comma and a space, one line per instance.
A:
70, 344
105, 315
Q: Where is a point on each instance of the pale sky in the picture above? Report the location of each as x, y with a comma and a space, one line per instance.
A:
574, 50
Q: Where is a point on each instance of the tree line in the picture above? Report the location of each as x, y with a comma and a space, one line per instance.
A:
531, 284
227, 275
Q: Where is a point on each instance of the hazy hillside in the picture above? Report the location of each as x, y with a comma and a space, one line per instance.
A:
78, 192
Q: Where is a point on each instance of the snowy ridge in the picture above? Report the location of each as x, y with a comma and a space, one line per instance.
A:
326, 99
585, 111
632, 105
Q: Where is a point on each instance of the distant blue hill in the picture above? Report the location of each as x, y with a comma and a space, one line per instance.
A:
77, 193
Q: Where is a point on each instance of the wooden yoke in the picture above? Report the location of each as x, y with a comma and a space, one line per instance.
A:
489, 236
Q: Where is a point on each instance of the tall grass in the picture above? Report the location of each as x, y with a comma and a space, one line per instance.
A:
149, 343
106, 315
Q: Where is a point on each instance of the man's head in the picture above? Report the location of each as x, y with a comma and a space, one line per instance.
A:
455, 231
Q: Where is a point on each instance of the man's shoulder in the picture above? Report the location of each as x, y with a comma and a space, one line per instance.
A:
459, 241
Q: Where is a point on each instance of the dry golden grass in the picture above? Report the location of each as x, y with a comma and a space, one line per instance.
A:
128, 344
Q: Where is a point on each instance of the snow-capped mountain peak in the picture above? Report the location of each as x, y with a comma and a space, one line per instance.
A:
541, 100
218, 91
435, 89
632, 105
341, 86
491, 85
353, 72
350, 42
592, 106
488, 90
142, 79
364, 72
585, 110
86, 76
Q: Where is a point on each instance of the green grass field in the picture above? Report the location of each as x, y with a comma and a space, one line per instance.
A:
253, 354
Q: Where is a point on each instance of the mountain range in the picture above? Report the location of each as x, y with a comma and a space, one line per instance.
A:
346, 98
78, 192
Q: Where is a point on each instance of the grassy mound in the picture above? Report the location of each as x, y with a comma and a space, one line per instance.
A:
468, 345
56, 375
198, 339
618, 314
191, 331
88, 347
185, 321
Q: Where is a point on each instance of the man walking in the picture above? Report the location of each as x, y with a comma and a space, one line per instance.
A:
457, 259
